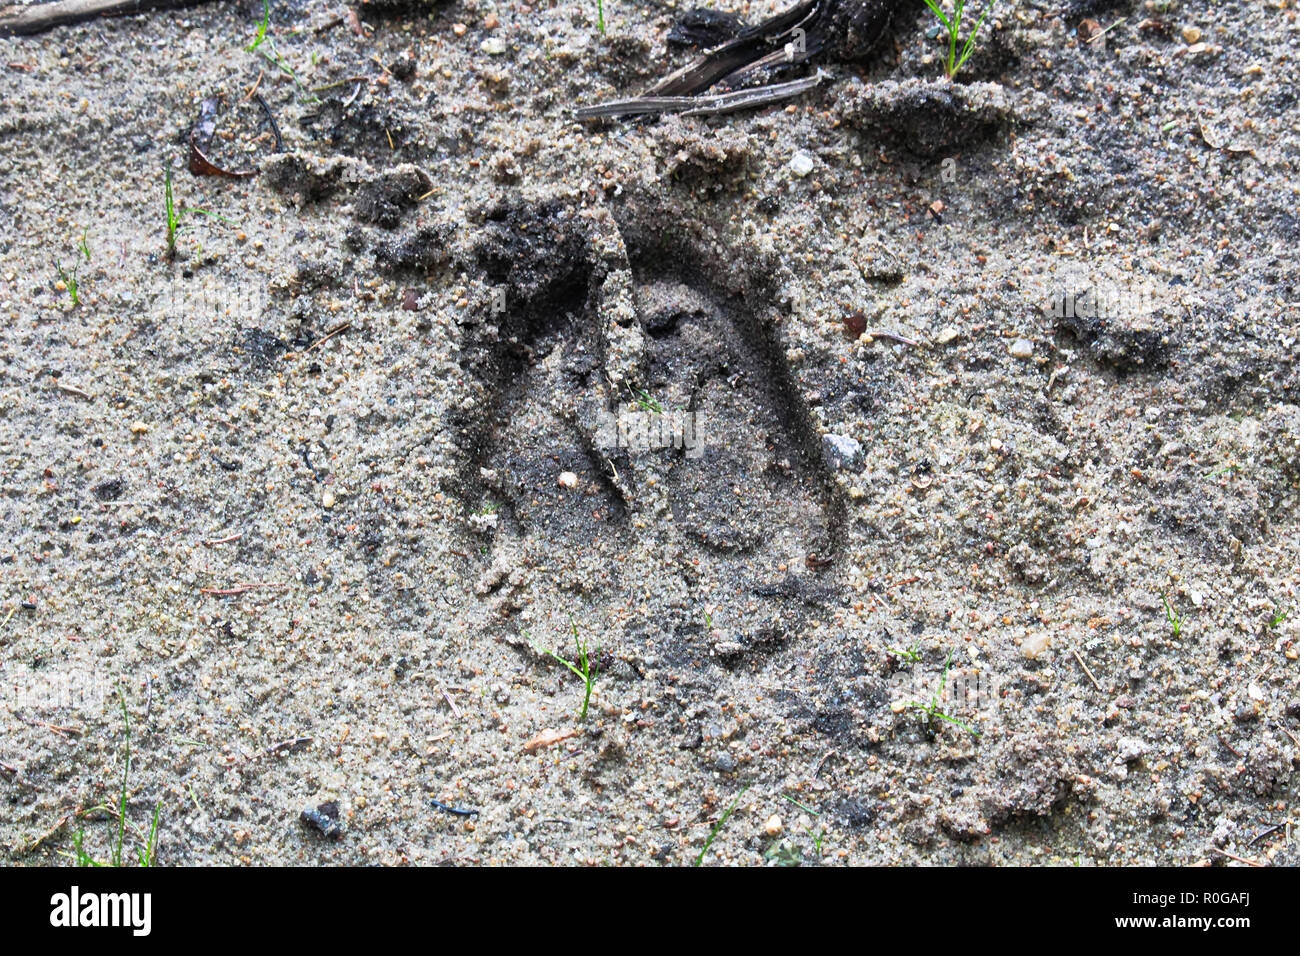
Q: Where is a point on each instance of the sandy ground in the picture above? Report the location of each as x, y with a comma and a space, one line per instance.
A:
318, 494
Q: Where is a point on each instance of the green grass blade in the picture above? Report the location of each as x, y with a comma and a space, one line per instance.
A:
147, 851
567, 663
261, 32
205, 212
938, 12
699, 860
126, 773
970, 42
800, 805
953, 720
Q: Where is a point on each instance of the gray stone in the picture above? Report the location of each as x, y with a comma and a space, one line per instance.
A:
841, 451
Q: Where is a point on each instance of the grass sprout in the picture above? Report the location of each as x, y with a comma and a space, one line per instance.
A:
912, 655
600, 15
70, 281
1175, 619
717, 827
146, 853
932, 709
261, 31
585, 667
648, 403
272, 54
1279, 617
818, 839
1226, 470
953, 27
176, 213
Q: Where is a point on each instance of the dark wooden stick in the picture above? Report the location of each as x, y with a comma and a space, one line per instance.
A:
26, 19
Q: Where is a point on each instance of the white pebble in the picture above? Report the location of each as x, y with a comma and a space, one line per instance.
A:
801, 164
1022, 349
773, 825
568, 479
1035, 644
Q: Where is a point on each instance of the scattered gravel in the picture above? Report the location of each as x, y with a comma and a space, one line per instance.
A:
352, 463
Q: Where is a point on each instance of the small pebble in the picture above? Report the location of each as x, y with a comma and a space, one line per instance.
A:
493, 46
801, 164
1034, 644
842, 451
949, 334
327, 500
1130, 749
1192, 34
324, 820
773, 826
1022, 349
568, 479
